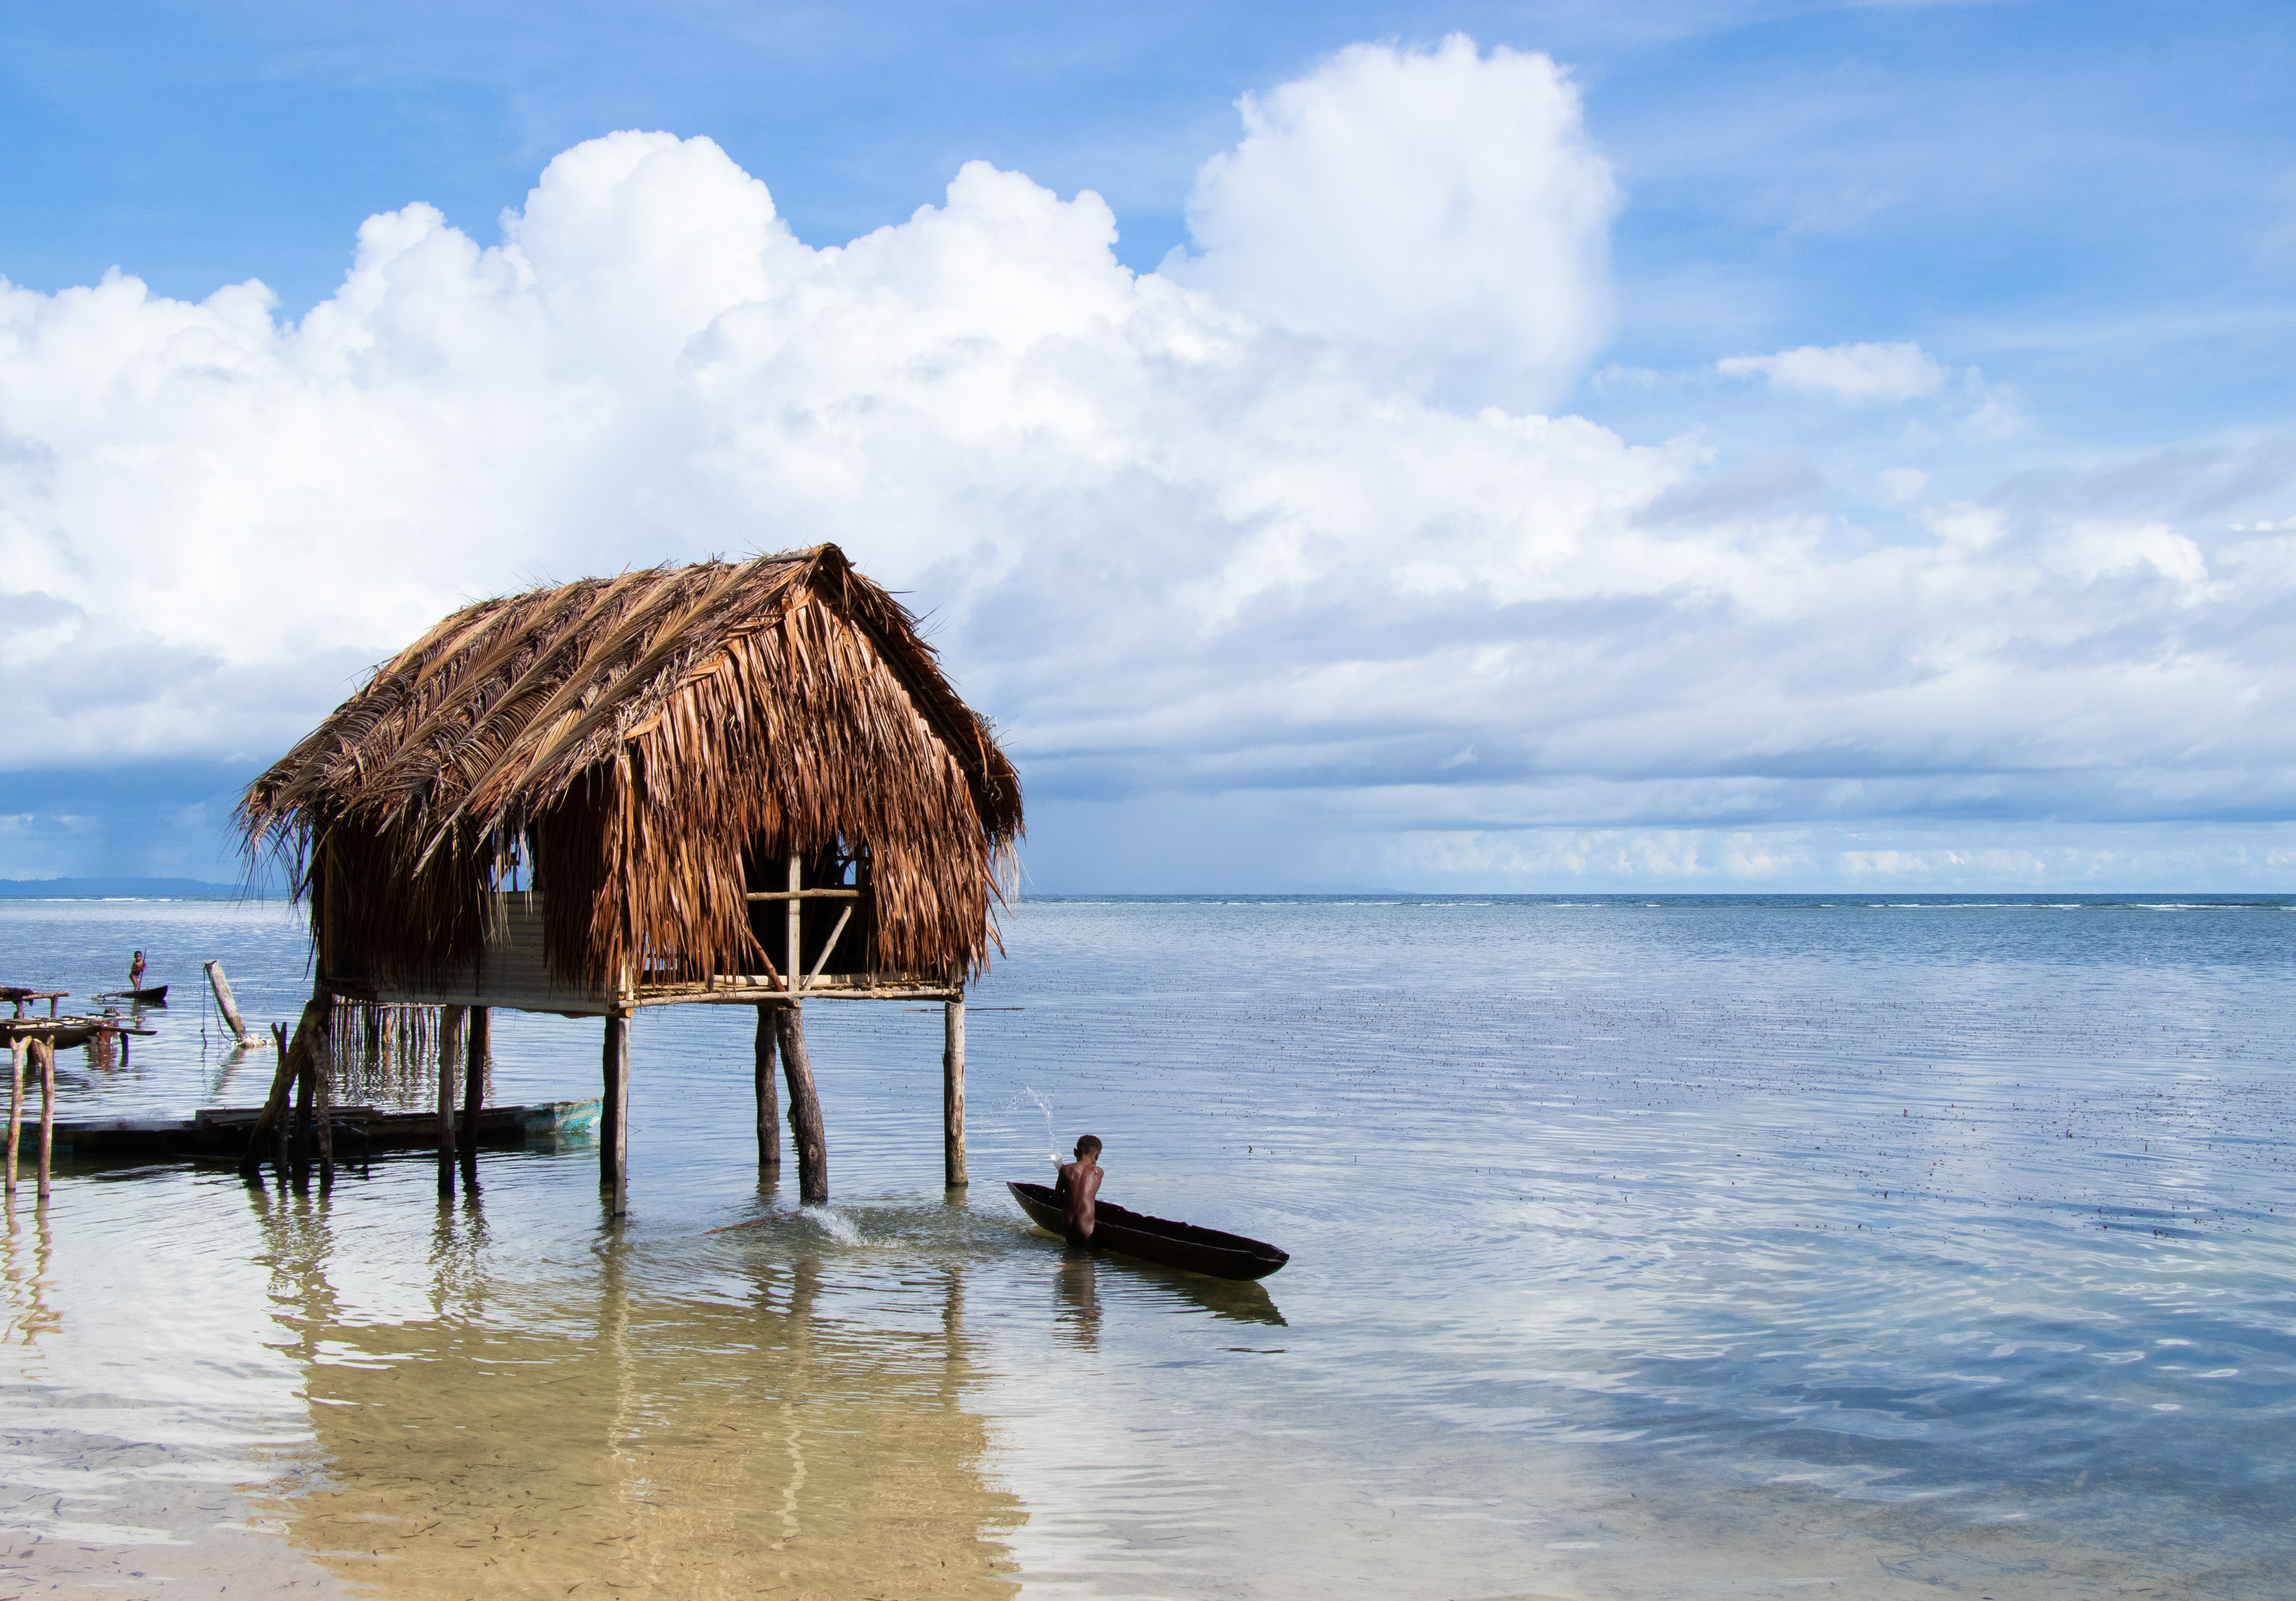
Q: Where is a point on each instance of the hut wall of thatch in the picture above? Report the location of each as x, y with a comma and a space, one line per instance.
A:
646, 751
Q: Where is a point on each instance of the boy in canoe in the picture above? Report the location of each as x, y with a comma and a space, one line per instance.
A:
1080, 1188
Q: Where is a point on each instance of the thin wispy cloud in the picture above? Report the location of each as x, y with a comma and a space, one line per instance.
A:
1901, 370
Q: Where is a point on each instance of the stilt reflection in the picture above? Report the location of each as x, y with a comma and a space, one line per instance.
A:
24, 1268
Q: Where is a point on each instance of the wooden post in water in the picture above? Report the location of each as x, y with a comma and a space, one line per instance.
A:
474, 1075
45, 1050
614, 1119
224, 1003
16, 1102
307, 1100
323, 1076
952, 1095
805, 1107
450, 1058
282, 1115
769, 1099
274, 1119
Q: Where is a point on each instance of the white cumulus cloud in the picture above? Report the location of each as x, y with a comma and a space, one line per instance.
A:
1181, 535
1444, 209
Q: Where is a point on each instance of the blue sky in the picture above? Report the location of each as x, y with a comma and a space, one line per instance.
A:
2063, 236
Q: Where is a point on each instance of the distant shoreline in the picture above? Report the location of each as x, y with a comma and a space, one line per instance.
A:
200, 889
110, 889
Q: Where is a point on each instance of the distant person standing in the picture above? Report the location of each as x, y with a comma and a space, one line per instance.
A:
135, 971
1080, 1189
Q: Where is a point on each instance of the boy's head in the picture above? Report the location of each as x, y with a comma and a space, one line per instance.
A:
1089, 1146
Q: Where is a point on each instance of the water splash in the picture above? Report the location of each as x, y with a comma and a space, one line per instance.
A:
1051, 1140
835, 1224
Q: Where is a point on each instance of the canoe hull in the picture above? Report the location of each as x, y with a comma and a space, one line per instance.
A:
1156, 1239
157, 995
224, 1131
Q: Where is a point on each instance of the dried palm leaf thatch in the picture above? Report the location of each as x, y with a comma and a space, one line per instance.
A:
643, 741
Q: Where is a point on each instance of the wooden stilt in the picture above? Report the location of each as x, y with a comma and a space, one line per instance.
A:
324, 1078
307, 1096
769, 1109
474, 1075
274, 1120
805, 1107
282, 1120
450, 1063
614, 1148
15, 1103
952, 1095
45, 1051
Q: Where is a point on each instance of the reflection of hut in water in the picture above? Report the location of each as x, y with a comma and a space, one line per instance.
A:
608, 1440
729, 783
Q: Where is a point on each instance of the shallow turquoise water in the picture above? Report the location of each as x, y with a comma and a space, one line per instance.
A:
1701, 1246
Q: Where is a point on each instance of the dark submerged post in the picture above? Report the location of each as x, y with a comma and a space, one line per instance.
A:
323, 1058
474, 1075
952, 1095
281, 1110
805, 1108
450, 1057
769, 1110
614, 1119
306, 1135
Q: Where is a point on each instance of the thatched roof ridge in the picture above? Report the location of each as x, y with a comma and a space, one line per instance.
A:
671, 716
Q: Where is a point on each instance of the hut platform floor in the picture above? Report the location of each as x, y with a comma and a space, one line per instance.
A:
224, 1131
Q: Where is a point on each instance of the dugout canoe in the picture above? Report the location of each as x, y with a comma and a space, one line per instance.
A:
157, 995
1154, 1239
221, 1132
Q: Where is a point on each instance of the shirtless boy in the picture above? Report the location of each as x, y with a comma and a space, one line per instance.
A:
1080, 1188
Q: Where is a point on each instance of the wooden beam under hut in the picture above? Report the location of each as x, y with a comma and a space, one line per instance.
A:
614, 1119
450, 1075
805, 1128
952, 1095
478, 1053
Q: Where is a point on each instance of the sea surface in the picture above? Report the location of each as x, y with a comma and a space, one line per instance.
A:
1652, 1247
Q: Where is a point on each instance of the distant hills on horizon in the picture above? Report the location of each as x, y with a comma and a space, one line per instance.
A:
78, 889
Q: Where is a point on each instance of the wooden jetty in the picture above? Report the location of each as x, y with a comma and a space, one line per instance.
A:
35, 1041
17, 996
68, 1032
727, 784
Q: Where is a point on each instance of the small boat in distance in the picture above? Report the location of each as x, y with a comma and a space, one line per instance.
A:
155, 996
1154, 1239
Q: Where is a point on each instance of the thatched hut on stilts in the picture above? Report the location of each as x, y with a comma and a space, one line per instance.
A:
742, 784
